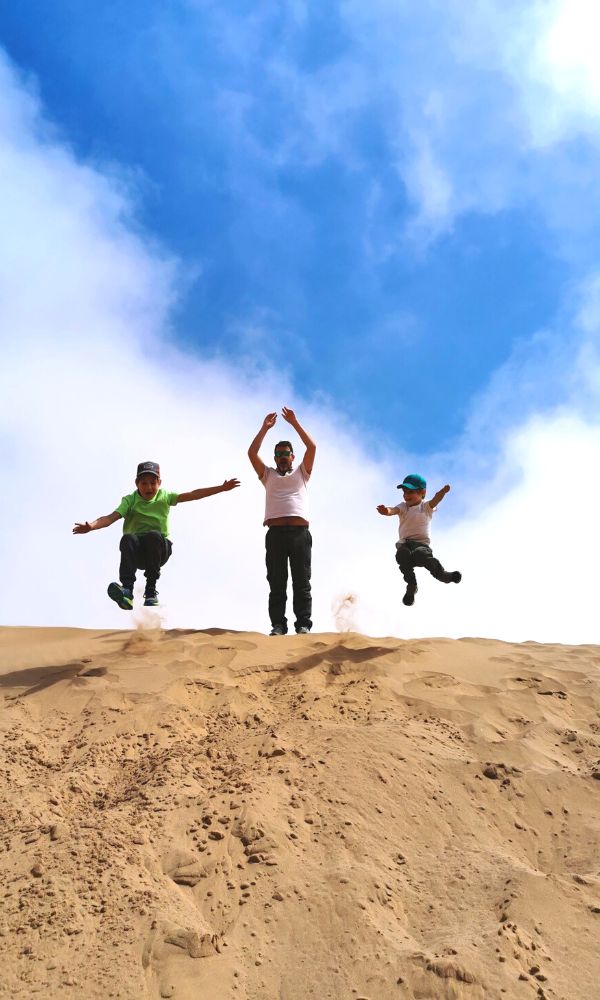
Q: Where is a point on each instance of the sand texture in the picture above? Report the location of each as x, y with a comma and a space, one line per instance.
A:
224, 815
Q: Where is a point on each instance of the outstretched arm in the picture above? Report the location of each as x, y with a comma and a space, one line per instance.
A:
208, 491
309, 455
386, 511
257, 463
100, 522
439, 496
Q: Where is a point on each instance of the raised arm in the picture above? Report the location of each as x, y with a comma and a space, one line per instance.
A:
309, 455
439, 496
257, 463
386, 511
208, 491
100, 522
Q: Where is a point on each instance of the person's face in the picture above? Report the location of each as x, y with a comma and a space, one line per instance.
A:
413, 497
148, 485
284, 458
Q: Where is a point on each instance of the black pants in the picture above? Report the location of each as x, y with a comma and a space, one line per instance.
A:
149, 552
289, 543
413, 553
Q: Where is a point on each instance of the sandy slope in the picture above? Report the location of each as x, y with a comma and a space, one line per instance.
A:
218, 814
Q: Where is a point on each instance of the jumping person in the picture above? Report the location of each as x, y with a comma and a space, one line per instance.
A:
413, 548
288, 539
145, 543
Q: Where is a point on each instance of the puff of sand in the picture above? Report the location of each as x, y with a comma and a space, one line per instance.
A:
219, 814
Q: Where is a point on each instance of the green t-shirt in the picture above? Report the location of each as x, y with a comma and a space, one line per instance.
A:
142, 515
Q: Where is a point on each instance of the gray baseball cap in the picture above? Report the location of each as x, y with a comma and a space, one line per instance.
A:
148, 469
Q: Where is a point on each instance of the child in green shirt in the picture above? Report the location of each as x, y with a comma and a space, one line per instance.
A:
145, 543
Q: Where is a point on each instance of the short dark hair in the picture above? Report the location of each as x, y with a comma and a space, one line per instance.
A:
288, 444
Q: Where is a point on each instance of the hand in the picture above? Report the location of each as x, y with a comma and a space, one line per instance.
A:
82, 529
269, 421
230, 484
382, 508
289, 415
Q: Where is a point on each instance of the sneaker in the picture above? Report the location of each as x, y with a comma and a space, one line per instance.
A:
121, 595
150, 598
277, 630
303, 630
409, 597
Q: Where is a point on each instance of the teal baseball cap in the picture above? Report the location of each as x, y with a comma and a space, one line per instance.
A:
412, 482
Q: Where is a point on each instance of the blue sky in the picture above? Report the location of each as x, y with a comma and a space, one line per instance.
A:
272, 150
384, 215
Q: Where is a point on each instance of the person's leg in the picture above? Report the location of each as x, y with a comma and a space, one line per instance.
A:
130, 552
406, 564
155, 550
277, 574
300, 553
122, 593
423, 556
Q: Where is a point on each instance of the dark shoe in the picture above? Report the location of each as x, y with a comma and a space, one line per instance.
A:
121, 595
303, 630
454, 577
409, 597
150, 598
277, 630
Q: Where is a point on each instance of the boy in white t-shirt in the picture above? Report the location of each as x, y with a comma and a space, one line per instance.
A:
413, 548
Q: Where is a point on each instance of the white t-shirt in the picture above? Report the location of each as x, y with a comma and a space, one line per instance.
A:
286, 496
414, 521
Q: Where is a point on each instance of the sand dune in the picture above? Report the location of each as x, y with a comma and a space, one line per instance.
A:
221, 815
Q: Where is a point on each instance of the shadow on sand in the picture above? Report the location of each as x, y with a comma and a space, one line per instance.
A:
36, 679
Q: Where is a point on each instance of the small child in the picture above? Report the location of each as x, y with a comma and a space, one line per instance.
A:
413, 548
145, 543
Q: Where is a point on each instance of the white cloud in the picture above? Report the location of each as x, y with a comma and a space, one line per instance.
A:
429, 187
89, 386
529, 555
477, 102
481, 101
564, 59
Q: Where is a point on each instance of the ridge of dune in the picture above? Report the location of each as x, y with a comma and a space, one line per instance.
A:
219, 814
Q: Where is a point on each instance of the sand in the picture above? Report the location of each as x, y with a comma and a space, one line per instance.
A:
224, 815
